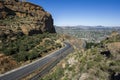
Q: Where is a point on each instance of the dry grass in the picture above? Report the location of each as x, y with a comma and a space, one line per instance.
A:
6, 63
115, 46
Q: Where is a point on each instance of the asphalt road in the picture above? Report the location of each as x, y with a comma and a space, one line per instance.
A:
23, 71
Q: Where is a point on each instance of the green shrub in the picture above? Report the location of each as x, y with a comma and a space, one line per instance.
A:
22, 56
32, 55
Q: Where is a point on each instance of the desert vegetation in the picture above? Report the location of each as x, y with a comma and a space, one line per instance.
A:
27, 48
98, 61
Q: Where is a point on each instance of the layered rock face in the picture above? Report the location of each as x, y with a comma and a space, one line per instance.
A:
18, 17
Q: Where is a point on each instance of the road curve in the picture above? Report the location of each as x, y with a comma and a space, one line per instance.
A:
23, 71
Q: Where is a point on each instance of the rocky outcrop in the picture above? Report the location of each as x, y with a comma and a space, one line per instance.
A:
24, 18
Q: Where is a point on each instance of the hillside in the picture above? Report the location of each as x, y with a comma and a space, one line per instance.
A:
99, 61
26, 34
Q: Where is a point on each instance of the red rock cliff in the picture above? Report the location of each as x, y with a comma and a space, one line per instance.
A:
24, 18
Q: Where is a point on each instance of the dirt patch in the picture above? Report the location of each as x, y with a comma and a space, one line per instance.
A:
114, 49
6, 63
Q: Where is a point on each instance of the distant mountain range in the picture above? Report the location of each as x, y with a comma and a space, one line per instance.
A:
116, 28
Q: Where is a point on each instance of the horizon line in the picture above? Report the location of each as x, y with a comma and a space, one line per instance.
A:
87, 25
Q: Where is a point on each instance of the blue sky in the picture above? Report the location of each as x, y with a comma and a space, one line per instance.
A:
82, 12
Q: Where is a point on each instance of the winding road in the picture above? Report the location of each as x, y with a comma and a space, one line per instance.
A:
51, 59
